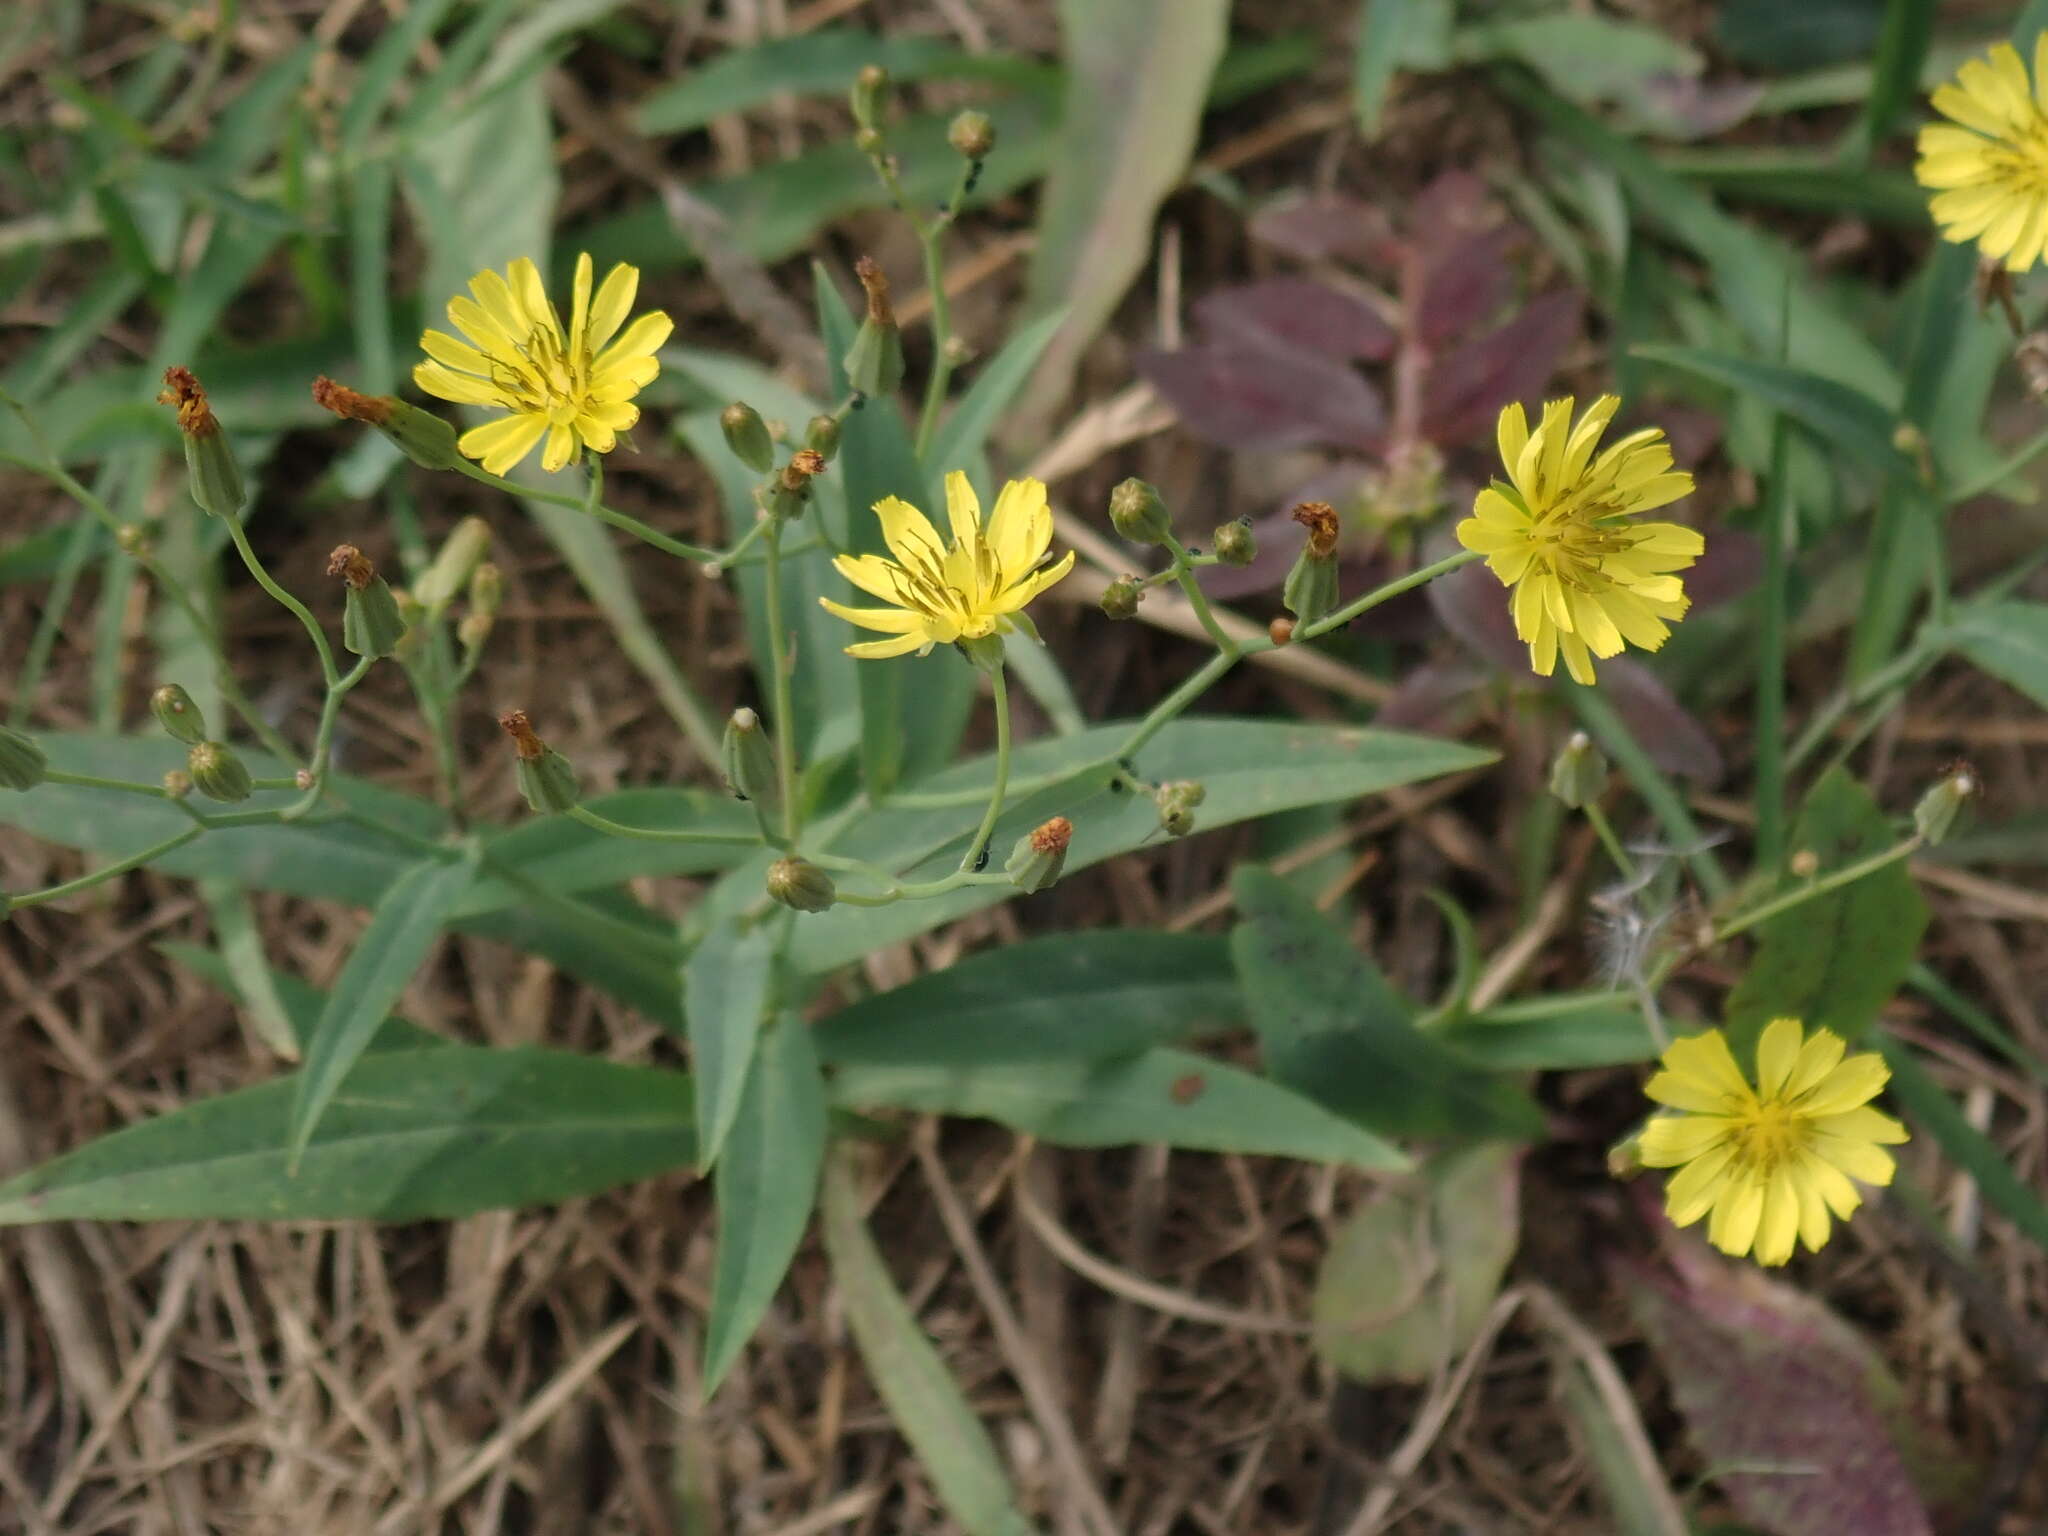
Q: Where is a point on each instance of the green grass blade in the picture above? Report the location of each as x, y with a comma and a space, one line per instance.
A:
1969, 1148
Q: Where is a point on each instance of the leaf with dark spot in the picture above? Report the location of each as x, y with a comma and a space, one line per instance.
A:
1238, 395
1291, 312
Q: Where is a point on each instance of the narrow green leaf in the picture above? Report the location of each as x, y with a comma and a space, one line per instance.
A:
766, 1183
1855, 424
962, 436
1158, 1095
402, 932
1968, 1148
241, 947
923, 1399
1393, 35
1330, 1026
301, 1001
382, 67
1833, 962
1901, 50
2009, 640
412, 1135
1069, 997
1556, 1033
726, 986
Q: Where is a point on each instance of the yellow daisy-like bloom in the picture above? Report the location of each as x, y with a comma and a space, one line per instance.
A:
1771, 1162
574, 388
1988, 166
1585, 578
974, 587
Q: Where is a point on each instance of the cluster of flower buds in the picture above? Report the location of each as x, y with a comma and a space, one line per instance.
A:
545, 777
371, 621
1176, 801
1040, 855
1311, 589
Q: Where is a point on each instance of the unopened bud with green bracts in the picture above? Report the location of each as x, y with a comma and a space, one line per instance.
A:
1311, 588
1040, 854
214, 476
545, 777
874, 363
1138, 513
1176, 802
746, 434
178, 715
371, 623
801, 885
1121, 597
1578, 775
22, 763
749, 760
1234, 544
972, 135
821, 436
1938, 808
217, 773
459, 558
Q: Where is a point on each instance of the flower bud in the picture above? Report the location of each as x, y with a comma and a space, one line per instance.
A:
746, 434
217, 773
801, 885
545, 777
866, 96
486, 590
1804, 864
1938, 808
178, 783
423, 437
133, 539
473, 631
874, 363
1138, 513
1176, 802
749, 760
958, 351
1311, 589
1121, 597
821, 436
457, 561
1578, 774
1040, 855
868, 140
178, 715
1234, 544
371, 624
210, 468
972, 134
1280, 630
22, 764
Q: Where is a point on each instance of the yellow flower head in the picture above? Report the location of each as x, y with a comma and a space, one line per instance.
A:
1557, 531
576, 388
1771, 1162
1988, 167
974, 587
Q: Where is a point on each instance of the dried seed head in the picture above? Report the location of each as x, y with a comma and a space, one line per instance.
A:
520, 729
182, 389
1320, 519
352, 566
350, 405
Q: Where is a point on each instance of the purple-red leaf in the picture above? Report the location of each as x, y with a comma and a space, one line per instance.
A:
1460, 285
1465, 392
1332, 227
1791, 1404
1239, 395
1297, 313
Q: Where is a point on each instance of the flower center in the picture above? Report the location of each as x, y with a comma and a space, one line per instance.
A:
2023, 159
1574, 549
1773, 1132
544, 379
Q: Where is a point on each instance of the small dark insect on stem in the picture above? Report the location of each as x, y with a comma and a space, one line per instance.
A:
982, 862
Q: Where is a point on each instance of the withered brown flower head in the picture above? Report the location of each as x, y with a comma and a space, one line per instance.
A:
1320, 519
803, 464
520, 729
350, 405
352, 566
872, 278
182, 389
1053, 836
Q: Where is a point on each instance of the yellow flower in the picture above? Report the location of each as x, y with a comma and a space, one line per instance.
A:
1585, 579
972, 588
1771, 1162
1990, 174
574, 388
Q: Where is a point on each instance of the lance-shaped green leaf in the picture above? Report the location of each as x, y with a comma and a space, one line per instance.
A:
403, 930
1332, 1027
726, 986
2009, 640
1853, 423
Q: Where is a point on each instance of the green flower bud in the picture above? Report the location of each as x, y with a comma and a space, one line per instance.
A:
1040, 855
217, 773
874, 363
1578, 775
457, 561
972, 134
1176, 802
866, 96
178, 715
545, 777
473, 631
371, 623
177, 783
210, 467
1939, 807
801, 885
486, 590
1121, 597
133, 539
423, 437
1234, 544
22, 764
1138, 513
1311, 589
821, 436
749, 760
746, 434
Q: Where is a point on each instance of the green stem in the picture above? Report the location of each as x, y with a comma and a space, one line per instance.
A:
2031, 450
932, 236
328, 673
778, 662
975, 849
1162, 714
925, 891
1338, 618
105, 872
694, 553
1182, 571
1895, 673
323, 740
730, 558
947, 799
1604, 829
94, 781
1848, 874
1606, 727
611, 828
1780, 529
